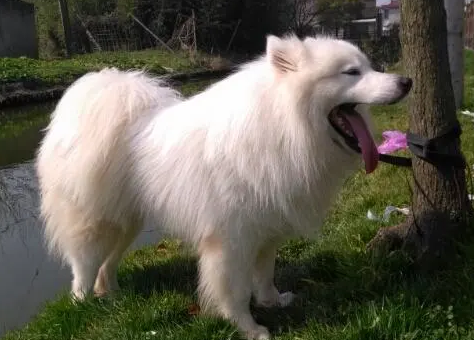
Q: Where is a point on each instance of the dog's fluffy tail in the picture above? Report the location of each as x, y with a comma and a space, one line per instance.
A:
100, 105
83, 156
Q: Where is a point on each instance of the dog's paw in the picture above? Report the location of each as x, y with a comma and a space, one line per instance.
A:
276, 299
285, 299
77, 297
258, 333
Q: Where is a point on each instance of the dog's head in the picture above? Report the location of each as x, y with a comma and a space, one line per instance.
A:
336, 77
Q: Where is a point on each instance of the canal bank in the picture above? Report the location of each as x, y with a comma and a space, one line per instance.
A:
30, 277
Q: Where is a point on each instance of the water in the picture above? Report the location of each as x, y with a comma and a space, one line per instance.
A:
28, 275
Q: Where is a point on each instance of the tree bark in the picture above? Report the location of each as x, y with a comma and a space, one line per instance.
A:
66, 26
441, 210
455, 24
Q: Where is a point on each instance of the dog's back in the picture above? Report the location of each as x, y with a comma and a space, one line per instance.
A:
81, 161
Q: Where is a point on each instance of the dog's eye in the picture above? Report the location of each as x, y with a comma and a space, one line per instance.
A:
352, 72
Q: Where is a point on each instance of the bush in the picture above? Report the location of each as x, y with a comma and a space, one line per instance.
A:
386, 50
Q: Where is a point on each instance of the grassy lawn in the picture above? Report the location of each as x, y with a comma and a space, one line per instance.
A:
66, 70
344, 293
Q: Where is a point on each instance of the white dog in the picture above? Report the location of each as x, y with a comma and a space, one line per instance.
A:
255, 159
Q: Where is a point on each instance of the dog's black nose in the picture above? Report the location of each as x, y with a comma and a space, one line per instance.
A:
405, 84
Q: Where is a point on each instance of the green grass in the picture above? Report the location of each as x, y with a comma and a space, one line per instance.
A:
344, 293
66, 70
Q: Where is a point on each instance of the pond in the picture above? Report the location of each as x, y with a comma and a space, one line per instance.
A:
29, 277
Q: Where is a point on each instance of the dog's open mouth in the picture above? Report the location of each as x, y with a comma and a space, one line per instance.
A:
353, 128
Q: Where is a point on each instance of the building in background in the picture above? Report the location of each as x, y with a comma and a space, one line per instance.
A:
390, 15
17, 29
370, 9
365, 25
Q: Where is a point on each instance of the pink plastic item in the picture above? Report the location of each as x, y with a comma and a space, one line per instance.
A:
393, 141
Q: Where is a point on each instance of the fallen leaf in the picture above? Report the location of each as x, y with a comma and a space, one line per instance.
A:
193, 309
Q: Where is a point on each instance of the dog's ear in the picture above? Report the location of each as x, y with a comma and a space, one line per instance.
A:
284, 54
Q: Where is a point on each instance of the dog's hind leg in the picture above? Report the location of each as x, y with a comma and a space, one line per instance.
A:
265, 292
85, 249
85, 258
107, 277
226, 284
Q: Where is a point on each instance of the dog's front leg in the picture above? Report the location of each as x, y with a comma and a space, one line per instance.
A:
265, 292
225, 283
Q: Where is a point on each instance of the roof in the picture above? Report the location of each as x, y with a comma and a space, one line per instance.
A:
394, 4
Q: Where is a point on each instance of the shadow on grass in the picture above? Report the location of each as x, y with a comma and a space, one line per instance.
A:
178, 274
333, 287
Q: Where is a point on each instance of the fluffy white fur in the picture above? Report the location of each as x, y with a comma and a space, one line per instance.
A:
235, 170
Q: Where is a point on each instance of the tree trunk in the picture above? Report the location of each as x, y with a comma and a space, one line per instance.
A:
66, 26
455, 23
441, 209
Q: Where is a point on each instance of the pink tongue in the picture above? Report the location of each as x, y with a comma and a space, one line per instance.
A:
366, 142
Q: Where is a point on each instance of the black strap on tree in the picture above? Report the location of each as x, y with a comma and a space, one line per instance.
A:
395, 160
432, 150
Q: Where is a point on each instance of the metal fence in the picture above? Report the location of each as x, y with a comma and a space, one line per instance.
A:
167, 28
113, 33
382, 46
